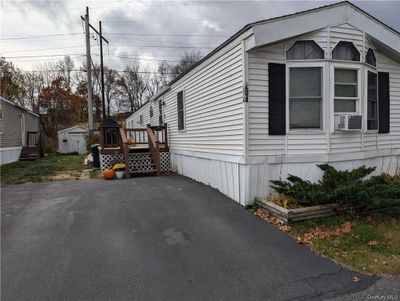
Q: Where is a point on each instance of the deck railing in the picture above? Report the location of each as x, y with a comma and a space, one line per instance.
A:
141, 135
116, 139
138, 136
125, 150
36, 139
161, 133
32, 139
154, 147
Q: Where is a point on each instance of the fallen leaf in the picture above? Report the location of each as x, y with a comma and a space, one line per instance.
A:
356, 279
346, 227
373, 242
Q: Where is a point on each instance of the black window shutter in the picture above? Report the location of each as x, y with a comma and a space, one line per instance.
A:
383, 102
180, 110
277, 99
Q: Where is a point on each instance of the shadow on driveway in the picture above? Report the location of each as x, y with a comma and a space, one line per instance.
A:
152, 238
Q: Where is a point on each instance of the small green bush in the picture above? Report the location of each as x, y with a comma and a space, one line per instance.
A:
348, 188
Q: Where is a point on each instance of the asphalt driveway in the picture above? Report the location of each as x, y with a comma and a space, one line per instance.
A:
152, 238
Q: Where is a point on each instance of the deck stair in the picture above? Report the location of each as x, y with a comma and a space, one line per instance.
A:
144, 150
34, 147
28, 153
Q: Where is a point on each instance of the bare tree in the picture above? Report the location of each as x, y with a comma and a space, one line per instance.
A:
187, 60
111, 89
133, 86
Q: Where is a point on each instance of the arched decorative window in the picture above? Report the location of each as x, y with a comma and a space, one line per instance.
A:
304, 50
346, 51
370, 57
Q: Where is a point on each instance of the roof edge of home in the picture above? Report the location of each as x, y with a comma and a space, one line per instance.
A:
18, 106
250, 25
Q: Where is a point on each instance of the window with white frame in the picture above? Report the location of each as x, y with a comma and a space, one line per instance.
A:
304, 50
305, 97
370, 57
372, 101
346, 90
346, 51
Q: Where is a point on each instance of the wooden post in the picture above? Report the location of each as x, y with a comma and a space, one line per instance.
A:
124, 149
165, 135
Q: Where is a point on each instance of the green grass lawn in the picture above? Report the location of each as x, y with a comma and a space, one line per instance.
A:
51, 167
370, 243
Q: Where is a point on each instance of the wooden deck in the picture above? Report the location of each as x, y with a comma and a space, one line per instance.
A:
148, 142
34, 147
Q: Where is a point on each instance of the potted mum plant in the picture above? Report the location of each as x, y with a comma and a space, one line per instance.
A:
119, 170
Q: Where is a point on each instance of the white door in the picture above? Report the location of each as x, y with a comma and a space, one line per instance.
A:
78, 143
23, 132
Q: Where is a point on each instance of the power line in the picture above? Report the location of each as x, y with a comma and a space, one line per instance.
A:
42, 36
119, 71
169, 35
171, 47
112, 34
18, 60
41, 49
142, 59
49, 55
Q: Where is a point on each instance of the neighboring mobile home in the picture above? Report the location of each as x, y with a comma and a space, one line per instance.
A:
283, 95
19, 129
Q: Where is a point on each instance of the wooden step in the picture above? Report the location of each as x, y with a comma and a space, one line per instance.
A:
28, 153
142, 171
143, 165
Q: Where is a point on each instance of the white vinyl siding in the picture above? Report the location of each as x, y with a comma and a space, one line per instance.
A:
328, 141
213, 107
260, 143
133, 121
346, 32
392, 139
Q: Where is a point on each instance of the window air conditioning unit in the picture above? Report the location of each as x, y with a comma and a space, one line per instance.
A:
348, 122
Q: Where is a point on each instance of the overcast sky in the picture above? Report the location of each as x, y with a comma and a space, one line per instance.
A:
149, 30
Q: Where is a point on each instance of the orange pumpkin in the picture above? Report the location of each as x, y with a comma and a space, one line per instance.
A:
108, 174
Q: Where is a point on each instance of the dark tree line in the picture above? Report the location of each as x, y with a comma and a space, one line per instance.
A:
58, 91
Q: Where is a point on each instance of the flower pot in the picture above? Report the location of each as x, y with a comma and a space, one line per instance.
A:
120, 174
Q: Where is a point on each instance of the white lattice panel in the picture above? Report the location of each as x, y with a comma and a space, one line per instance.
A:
140, 162
108, 160
165, 162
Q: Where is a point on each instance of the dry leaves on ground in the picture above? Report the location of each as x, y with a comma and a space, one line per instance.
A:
306, 238
272, 220
322, 232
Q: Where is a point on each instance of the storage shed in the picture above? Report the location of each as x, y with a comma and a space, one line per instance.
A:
72, 139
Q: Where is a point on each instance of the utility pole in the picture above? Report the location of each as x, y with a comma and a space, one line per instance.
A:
89, 70
102, 74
